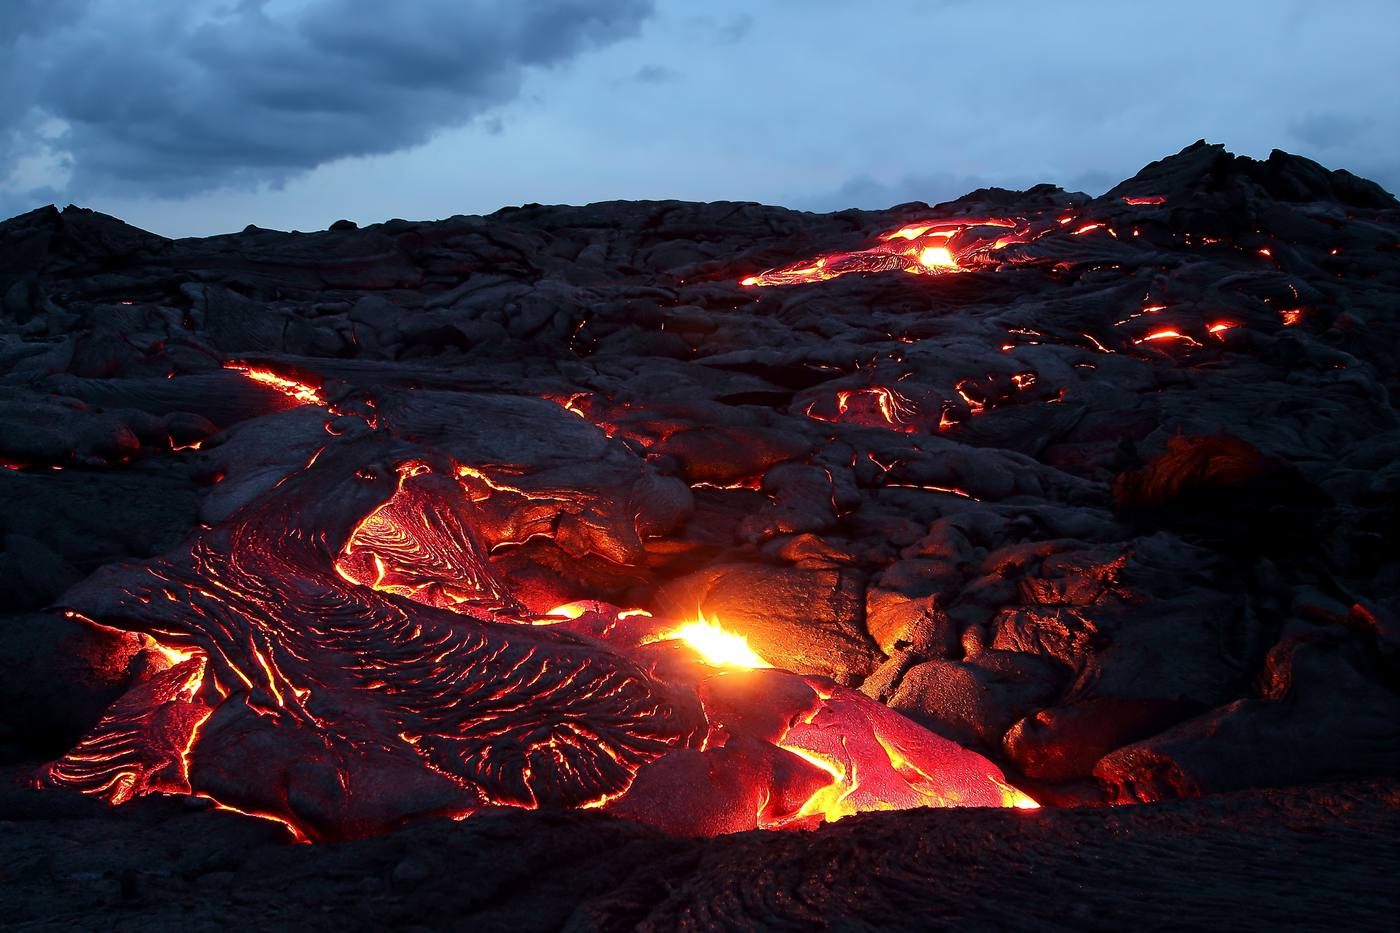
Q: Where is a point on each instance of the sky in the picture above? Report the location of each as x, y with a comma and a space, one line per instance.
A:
196, 117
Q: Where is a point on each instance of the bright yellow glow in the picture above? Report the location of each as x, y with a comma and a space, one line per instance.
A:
1013, 797
934, 256
172, 655
715, 646
907, 233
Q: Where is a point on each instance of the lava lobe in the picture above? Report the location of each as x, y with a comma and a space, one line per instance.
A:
342, 659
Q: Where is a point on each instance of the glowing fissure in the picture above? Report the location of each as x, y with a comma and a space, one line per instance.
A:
300, 392
874, 405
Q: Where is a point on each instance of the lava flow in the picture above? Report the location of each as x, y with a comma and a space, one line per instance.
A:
338, 656
932, 248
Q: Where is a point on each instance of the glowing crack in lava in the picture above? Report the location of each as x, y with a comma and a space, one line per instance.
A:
873, 405
299, 392
338, 656
932, 248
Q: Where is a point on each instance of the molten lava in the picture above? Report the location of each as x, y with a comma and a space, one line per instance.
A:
875, 406
299, 392
338, 656
933, 248
714, 644
410, 548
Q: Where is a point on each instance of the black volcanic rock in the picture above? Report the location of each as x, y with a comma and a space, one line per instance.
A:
1317, 857
1128, 526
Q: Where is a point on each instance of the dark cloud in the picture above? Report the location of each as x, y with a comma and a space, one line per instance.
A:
35, 17
187, 96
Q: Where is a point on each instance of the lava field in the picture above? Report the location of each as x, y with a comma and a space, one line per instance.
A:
620, 563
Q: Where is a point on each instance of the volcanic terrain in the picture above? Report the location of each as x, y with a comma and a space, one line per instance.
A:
730, 523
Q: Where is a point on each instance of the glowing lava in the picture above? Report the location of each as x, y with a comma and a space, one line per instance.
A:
343, 674
1168, 334
300, 392
932, 248
412, 547
861, 756
935, 257
716, 646
874, 406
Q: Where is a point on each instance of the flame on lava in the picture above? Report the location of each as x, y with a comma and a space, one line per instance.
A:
715, 645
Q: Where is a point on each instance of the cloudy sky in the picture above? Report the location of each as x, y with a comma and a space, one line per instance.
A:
191, 117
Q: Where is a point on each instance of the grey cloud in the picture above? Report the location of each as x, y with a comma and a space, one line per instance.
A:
1328, 129
654, 74
736, 28
866, 192
1094, 181
178, 98
716, 30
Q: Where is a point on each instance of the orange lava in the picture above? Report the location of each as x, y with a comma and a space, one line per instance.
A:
410, 548
265, 627
1168, 334
931, 248
872, 406
713, 644
870, 757
300, 392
